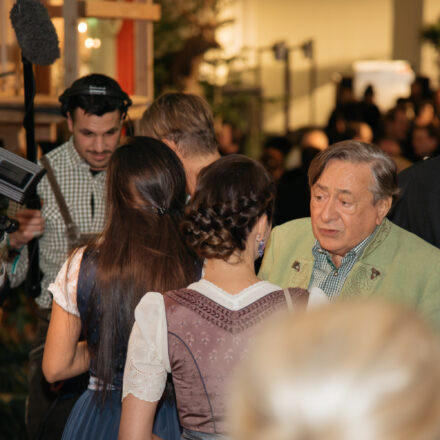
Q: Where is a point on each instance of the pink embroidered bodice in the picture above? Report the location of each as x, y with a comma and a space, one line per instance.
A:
205, 343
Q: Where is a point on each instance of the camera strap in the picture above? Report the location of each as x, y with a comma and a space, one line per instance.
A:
71, 229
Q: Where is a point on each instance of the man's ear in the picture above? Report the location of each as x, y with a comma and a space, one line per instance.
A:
169, 144
69, 122
383, 207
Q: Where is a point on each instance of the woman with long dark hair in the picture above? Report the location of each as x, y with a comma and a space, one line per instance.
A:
140, 249
201, 332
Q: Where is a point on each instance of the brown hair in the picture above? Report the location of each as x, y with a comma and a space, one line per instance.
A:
231, 195
140, 248
184, 119
383, 169
350, 370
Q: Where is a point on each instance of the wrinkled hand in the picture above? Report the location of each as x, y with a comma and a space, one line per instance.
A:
31, 225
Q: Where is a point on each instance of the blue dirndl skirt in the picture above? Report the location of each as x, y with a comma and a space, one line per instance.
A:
89, 420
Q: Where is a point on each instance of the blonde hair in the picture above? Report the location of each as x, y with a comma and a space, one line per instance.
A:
183, 118
354, 370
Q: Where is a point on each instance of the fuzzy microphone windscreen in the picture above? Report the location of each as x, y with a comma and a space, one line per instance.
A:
35, 32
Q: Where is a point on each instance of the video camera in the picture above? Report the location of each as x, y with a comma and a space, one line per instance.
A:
18, 180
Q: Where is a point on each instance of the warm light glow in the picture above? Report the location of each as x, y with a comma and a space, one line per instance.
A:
221, 75
89, 43
92, 43
82, 27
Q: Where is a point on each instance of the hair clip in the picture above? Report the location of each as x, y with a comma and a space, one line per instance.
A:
161, 210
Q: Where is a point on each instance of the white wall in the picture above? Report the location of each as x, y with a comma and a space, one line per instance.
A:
343, 31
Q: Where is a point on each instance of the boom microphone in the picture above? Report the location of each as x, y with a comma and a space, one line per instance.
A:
35, 32
38, 41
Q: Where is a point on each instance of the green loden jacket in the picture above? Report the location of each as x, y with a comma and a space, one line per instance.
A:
396, 265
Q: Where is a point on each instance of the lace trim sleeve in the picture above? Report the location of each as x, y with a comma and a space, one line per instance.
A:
64, 287
147, 361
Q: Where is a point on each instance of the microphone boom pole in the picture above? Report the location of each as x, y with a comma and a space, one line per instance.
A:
37, 38
33, 278
28, 121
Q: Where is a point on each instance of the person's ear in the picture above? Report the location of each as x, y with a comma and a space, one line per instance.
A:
169, 144
69, 122
262, 226
383, 207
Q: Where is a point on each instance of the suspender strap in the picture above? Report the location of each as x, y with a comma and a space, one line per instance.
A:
288, 299
72, 231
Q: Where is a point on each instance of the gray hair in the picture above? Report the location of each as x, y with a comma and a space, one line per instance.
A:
383, 169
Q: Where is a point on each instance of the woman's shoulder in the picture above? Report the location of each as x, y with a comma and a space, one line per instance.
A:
76, 257
148, 304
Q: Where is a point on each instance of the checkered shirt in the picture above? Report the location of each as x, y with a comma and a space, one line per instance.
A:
78, 185
326, 275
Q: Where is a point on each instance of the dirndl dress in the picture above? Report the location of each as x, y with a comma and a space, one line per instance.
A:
89, 418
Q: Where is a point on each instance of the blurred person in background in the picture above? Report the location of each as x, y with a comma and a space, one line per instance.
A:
396, 125
229, 139
347, 109
359, 131
293, 195
273, 156
425, 141
420, 91
392, 148
370, 112
424, 114
347, 371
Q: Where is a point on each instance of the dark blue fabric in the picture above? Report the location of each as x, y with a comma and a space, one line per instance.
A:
88, 420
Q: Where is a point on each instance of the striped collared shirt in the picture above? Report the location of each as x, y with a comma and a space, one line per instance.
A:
84, 194
326, 275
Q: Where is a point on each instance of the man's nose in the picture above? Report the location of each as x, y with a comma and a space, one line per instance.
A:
329, 211
99, 144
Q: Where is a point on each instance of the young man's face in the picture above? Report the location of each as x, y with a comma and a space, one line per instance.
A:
95, 137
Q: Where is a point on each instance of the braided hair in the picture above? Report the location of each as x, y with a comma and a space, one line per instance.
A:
231, 195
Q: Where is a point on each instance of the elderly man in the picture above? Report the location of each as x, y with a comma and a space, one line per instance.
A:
348, 248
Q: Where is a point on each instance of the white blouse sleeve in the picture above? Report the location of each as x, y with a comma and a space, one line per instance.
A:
65, 285
147, 361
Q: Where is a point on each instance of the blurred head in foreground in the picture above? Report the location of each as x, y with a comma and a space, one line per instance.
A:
354, 370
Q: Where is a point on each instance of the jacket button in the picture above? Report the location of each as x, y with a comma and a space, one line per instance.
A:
296, 265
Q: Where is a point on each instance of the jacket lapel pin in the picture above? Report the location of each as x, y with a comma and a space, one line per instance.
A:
296, 265
374, 273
